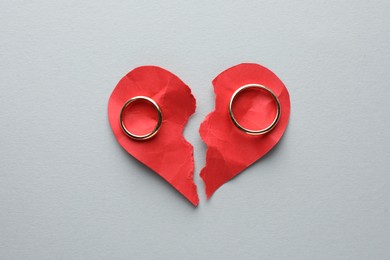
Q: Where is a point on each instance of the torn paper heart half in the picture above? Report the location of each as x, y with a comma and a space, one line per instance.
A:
167, 153
229, 150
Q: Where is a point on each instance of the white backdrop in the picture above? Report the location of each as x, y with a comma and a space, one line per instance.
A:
69, 191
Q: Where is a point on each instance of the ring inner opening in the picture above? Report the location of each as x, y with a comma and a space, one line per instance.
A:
140, 117
254, 108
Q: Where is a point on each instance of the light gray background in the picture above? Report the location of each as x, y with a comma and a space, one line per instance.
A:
69, 191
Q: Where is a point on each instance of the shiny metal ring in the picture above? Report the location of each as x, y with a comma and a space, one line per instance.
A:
251, 131
148, 135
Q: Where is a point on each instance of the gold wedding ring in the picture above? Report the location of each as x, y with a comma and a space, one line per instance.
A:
255, 131
148, 135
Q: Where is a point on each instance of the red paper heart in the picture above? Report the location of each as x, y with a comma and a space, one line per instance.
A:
167, 153
230, 150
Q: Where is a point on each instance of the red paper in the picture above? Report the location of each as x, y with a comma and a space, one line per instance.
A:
167, 153
230, 150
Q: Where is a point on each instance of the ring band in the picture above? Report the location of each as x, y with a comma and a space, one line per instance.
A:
148, 135
260, 131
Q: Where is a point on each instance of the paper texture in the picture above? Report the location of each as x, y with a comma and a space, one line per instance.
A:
230, 150
167, 153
